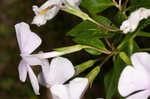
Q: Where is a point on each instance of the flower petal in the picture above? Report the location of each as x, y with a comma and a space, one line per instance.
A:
31, 60
59, 92
132, 80
140, 95
141, 59
77, 87
28, 41
44, 76
74, 3
22, 71
61, 70
34, 81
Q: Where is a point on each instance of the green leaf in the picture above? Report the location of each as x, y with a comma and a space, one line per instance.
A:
119, 18
95, 42
135, 4
88, 29
92, 75
83, 66
125, 58
88, 33
111, 78
96, 6
143, 34
143, 24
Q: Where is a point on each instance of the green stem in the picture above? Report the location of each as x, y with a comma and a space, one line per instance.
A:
106, 59
145, 49
102, 26
99, 50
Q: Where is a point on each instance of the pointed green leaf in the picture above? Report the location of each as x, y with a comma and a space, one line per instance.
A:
92, 75
83, 66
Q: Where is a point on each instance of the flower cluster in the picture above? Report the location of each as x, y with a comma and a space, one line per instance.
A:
53, 75
134, 82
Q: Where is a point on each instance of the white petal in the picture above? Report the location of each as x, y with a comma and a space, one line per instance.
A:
59, 92
44, 76
140, 95
39, 20
74, 3
132, 80
28, 41
61, 70
141, 59
32, 60
22, 71
33, 80
77, 87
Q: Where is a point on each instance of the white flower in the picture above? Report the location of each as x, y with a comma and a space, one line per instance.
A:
49, 10
134, 81
28, 41
58, 72
134, 19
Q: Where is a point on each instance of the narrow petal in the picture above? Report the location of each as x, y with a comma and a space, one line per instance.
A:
132, 80
44, 76
34, 81
59, 92
31, 60
141, 59
61, 70
77, 87
22, 71
140, 95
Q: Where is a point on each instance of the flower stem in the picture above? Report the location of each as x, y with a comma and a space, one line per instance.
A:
106, 59
99, 50
102, 26
145, 49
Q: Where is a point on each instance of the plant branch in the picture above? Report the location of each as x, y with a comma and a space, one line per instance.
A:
106, 59
102, 26
145, 49
116, 4
108, 43
99, 50
120, 5
125, 5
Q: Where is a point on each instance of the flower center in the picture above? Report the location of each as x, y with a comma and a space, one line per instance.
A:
48, 86
45, 10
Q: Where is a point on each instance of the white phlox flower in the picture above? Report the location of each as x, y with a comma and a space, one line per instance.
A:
134, 19
28, 41
54, 76
134, 82
50, 9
